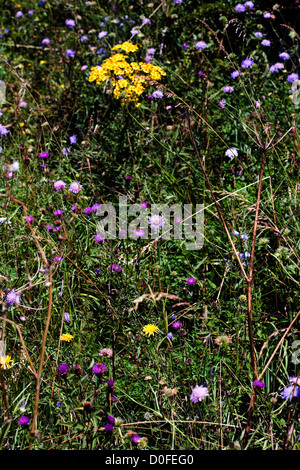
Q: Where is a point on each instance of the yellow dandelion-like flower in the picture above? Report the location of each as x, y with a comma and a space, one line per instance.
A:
5, 362
150, 329
66, 337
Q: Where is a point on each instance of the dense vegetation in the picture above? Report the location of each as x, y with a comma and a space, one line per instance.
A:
138, 342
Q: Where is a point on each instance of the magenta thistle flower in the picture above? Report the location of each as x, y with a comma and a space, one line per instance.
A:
99, 369
63, 369
29, 219
139, 233
109, 427
176, 325
44, 155
99, 238
24, 421
259, 383
199, 393
58, 212
110, 419
136, 439
191, 281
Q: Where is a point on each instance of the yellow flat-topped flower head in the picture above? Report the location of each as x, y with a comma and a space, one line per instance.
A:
66, 337
128, 79
150, 329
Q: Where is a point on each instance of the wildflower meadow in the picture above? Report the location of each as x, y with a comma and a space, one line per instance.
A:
149, 225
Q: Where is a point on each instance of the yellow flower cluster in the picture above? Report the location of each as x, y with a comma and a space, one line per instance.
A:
129, 79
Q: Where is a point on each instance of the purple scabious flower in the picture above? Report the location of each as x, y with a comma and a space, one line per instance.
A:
99, 369
235, 233
267, 15
84, 67
170, 335
59, 184
84, 38
191, 281
70, 53
44, 155
249, 5
290, 392
23, 104
156, 222
295, 380
63, 369
176, 325
231, 152
292, 77
247, 63
24, 421
266, 42
3, 130
157, 94
235, 74
67, 317
244, 237
258, 34
228, 89
199, 393
66, 151
221, 104
151, 51
259, 383
70, 23
185, 46
240, 8
73, 139
46, 42
75, 187
19, 14
139, 233
99, 238
276, 67
12, 298
200, 45
146, 21
95, 207
284, 56
102, 34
